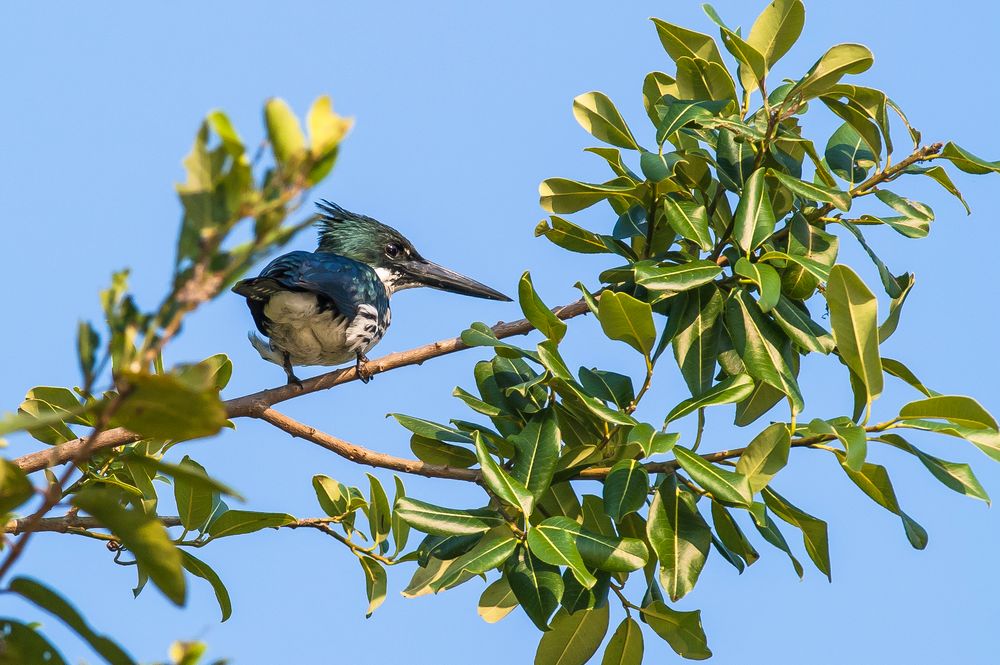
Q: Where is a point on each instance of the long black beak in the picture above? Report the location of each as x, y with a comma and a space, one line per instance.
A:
430, 274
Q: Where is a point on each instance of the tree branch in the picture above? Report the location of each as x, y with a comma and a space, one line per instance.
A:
256, 403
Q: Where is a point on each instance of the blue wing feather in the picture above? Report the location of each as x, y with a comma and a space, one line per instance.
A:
342, 284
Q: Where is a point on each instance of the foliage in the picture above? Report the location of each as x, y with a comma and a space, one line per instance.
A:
725, 221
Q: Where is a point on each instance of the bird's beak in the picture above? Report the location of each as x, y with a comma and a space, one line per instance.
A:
430, 274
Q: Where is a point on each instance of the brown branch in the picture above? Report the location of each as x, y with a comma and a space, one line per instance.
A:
254, 404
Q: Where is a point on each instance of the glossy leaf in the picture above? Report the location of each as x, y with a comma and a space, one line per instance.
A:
681, 630
495, 547
376, 582
50, 601
765, 277
199, 568
776, 29
759, 342
728, 391
953, 475
574, 638
194, 500
625, 646
874, 481
956, 409
676, 278
441, 521
554, 542
238, 522
562, 196
837, 62
814, 530
540, 316
753, 220
765, 455
497, 601
854, 319
597, 114
696, 342
502, 484
680, 42
814, 192
537, 447
679, 536
625, 489
628, 320
689, 220
538, 586
726, 487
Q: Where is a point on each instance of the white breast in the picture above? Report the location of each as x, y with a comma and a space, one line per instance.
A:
307, 332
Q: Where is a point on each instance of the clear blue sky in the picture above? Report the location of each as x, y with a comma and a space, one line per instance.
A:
461, 110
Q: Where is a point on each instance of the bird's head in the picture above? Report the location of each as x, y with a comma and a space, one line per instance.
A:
394, 258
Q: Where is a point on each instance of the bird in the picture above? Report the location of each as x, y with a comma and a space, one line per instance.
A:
331, 306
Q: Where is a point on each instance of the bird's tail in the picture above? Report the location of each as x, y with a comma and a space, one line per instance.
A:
264, 349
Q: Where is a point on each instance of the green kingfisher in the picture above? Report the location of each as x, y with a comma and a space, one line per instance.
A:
331, 306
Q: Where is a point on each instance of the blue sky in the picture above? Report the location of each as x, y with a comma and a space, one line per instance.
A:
461, 109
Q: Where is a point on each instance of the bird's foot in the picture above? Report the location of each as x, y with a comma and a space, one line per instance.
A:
292, 379
364, 373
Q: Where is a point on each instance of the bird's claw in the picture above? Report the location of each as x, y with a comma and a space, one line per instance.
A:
364, 373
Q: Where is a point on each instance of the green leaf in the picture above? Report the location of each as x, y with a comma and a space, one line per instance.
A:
772, 534
537, 586
492, 550
497, 601
611, 387
901, 371
597, 114
194, 500
840, 60
676, 278
239, 522
811, 191
50, 601
753, 66
568, 235
24, 644
628, 320
765, 277
766, 454
893, 287
728, 391
563, 196
854, 319
800, 327
431, 430
333, 497
432, 451
379, 512
680, 42
700, 79
814, 530
625, 489
625, 646
731, 535
15, 488
326, 128
682, 630
966, 161
164, 406
849, 155
776, 29
679, 536
199, 568
759, 343
888, 326
953, 475
874, 481
284, 131
540, 316
426, 576
688, 219
376, 582
554, 541
726, 487
442, 521
675, 115
537, 447
939, 175
956, 409
143, 535
753, 220
506, 488
696, 342
849, 434
574, 638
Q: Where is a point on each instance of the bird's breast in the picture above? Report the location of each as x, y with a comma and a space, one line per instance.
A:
313, 333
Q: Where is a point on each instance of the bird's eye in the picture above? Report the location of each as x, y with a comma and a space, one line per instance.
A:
392, 250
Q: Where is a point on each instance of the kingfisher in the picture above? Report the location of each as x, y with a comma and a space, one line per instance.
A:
331, 306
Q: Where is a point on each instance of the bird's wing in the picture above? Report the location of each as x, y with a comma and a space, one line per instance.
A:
343, 284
